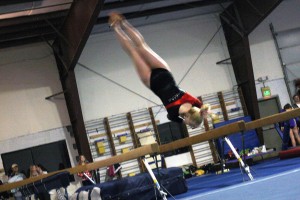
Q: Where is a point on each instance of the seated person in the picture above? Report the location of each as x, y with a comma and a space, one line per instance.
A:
14, 177
41, 169
290, 131
296, 99
86, 176
296, 104
35, 170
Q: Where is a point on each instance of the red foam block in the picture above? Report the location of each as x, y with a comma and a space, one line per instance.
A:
290, 153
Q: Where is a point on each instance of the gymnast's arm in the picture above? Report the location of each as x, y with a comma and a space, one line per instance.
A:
175, 119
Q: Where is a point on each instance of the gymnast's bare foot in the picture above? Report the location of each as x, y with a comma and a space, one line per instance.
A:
114, 18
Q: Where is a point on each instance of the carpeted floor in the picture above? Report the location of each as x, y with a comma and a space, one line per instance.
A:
273, 179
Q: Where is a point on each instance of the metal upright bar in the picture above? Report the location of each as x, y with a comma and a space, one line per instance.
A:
283, 65
244, 166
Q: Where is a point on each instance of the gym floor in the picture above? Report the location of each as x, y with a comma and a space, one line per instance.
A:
273, 179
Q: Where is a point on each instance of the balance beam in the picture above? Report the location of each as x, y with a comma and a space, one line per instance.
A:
280, 117
209, 135
133, 154
230, 129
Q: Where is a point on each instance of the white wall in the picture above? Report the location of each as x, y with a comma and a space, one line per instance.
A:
263, 51
28, 74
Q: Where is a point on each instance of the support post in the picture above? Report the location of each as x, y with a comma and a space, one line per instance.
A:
244, 166
134, 139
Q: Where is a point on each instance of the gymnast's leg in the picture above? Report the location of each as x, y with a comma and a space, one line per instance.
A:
150, 57
145, 60
296, 134
293, 141
143, 69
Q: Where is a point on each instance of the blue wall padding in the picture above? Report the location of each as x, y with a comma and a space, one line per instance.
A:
250, 137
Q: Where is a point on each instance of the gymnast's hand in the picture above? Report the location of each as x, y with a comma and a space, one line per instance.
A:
205, 110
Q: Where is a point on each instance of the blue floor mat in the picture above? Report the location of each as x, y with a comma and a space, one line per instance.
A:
261, 171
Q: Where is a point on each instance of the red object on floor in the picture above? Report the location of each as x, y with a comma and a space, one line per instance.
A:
290, 153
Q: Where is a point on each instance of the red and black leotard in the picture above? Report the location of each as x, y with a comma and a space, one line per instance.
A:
163, 85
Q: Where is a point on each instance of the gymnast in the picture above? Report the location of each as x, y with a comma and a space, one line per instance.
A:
156, 75
291, 131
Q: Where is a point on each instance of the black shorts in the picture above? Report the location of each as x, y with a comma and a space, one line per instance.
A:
163, 84
161, 79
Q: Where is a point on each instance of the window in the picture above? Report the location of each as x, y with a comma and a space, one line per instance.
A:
53, 156
172, 131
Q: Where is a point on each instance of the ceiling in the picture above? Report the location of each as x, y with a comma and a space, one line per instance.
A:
29, 21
